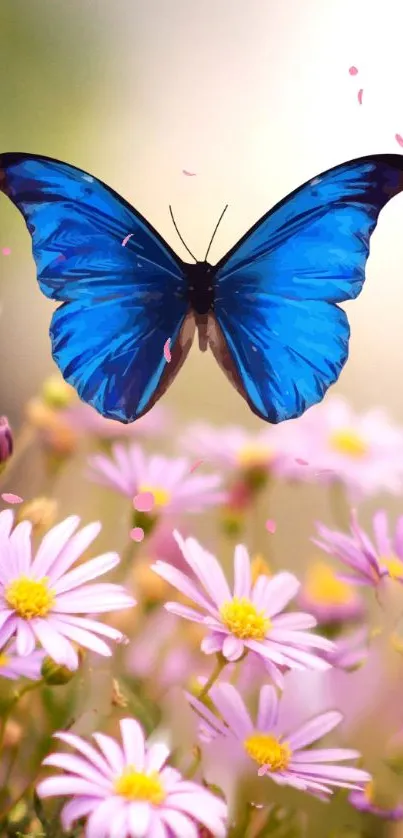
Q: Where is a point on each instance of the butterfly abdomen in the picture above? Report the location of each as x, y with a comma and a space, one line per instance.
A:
200, 279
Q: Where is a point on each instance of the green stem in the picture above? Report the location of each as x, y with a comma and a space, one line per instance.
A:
33, 685
221, 663
339, 506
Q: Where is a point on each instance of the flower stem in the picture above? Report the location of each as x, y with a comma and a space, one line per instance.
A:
33, 685
221, 663
191, 771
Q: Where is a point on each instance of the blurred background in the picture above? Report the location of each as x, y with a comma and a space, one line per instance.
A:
252, 96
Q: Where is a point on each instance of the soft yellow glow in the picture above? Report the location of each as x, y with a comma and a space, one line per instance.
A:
322, 585
254, 455
393, 565
161, 496
266, 750
243, 619
134, 785
347, 441
29, 597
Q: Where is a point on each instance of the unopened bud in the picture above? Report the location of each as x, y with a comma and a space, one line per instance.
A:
6, 441
56, 674
56, 393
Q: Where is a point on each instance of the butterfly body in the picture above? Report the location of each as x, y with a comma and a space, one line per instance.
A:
269, 310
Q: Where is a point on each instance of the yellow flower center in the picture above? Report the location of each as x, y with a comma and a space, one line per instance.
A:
134, 785
4, 659
265, 749
254, 455
322, 585
29, 597
242, 619
161, 496
347, 441
393, 565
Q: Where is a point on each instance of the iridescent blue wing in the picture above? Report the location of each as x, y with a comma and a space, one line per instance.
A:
280, 335
121, 300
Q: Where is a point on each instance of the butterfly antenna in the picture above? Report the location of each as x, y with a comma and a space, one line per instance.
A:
215, 230
176, 228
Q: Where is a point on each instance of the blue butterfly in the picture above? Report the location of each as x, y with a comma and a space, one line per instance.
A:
268, 309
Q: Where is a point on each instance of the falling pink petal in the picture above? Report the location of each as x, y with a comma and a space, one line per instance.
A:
270, 525
195, 466
325, 471
399, 139
188, 174
353, 70
6, 251
359, 96
126, 239
8, 497
144, 502
137, 534
167, 351
301, 462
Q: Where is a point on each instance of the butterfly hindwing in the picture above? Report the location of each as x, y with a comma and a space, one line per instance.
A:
276, 291
122, 298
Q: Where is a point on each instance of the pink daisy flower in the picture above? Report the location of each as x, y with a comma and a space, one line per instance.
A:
128, 790
368, 561
287, 758
363, 451
14, 666
233, 448
247, 619
132, 472
41, 597
83, 419
327, 597
365, 801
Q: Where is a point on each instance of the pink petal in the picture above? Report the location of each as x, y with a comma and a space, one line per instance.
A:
179, 824
137, 534
139, 817
76, 765
106, 814
133, 743
325, 755
26, 642
87, 750
206, 567
8, 497
231, 707
314, 729
270, 525
111, 751
242, 573
195, 466
183, 584
74, 549
6, 251
268, 709
189, 174
233, 648
280, 590
52, 545
156, 757
83, 637
353, 70
211, 644
144, 502
359, 96
75, 809
57, 646
184, 611
85, 572
57, 786
126, 239
399, 139
208, 810
167, 351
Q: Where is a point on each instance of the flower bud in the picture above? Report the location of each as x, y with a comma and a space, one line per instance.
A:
55, 674
6, 441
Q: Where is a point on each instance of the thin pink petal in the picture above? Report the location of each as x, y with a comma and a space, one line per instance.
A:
314, 729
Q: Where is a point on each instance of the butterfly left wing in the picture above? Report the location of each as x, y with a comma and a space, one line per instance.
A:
122, 298
277, 330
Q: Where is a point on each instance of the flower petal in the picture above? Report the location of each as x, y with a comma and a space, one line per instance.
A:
242, 573
314, 729
232, 709
268, 709
133, 743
